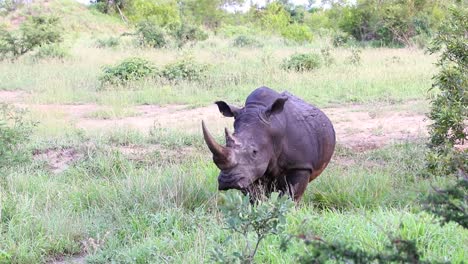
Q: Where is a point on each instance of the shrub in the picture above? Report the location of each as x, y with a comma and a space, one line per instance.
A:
246, 41
15, 131
34, 32
51, 51
185, 69
131, 69
297, 33
109, 42
327, 56
188, 33
340, 39
274, 18
319, 251
355, 57
302, 62
263, 219
163, 14
150, 35
451, 203
449, 105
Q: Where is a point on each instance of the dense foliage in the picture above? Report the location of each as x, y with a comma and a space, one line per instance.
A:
149, 34
451, 203
394, 22
319, 251
450, 104
302, 62
184, 69
131, 69
35, 32
383, 23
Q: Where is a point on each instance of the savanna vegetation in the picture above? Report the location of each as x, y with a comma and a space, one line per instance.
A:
83, 180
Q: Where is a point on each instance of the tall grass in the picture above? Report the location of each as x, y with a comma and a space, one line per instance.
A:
385, 75
130, 197
115, 207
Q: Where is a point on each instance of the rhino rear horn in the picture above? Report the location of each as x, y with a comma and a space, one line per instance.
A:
230, 139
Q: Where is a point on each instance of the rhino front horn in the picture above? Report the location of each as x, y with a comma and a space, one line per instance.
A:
214, 147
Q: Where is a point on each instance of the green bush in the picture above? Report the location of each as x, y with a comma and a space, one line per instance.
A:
51, 51
189, 33
131, 69
164, 14
449, 110
302, 62
340, 39
151, 35
355, 57
297, 33
15, 131
450, 203
327, 56
246, 41
241, 217
109, 42
36, 31
274, 18
319, 251
185, 69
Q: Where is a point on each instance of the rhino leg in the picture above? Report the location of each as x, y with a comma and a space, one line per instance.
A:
297, 181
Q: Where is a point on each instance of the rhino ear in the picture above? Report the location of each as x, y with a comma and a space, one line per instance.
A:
227, 110
276, 107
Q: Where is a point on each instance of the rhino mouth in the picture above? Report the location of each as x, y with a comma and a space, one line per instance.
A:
226, 182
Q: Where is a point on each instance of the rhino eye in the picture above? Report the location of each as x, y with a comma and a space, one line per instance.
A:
254, 152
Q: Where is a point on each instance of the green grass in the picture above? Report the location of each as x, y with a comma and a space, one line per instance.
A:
233, 74
115, 112
160, 209
131, 197
75, 17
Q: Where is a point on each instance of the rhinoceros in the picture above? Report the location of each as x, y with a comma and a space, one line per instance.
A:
280, 143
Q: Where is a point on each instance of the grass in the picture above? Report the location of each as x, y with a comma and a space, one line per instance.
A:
234, 72
76, 18
131, 197
115, 112
122, 209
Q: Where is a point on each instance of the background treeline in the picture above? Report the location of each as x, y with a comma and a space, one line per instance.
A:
380, 23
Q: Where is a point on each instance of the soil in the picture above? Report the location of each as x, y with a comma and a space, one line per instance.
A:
11, 96
78, 259
360, 127
58, 160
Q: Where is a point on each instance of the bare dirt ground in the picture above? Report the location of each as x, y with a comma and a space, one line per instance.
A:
11, 96
360, 127
58, 160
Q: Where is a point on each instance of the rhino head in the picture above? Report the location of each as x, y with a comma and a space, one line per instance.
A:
248, 152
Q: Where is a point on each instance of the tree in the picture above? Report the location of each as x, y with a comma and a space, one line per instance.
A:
34, 32
208, 13
163, 13
449, 110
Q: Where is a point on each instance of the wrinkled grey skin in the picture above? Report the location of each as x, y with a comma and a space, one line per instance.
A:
280, 143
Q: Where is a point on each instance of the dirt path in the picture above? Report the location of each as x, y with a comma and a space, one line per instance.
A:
360, 127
